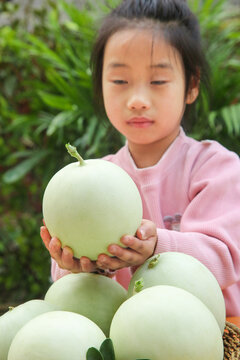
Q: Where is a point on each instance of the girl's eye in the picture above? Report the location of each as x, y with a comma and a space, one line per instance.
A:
159, 82
119, 82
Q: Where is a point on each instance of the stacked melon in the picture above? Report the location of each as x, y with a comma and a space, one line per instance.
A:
75, 315
175, 311
174, 307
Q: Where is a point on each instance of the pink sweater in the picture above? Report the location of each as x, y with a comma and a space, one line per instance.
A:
193, 196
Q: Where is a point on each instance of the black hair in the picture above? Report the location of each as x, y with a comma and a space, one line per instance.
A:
174, 20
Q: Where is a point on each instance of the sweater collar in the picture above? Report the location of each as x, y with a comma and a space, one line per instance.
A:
170, 149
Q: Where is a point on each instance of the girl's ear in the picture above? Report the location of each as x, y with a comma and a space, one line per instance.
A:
193, 90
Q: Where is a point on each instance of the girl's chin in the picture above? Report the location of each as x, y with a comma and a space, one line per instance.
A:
140, 142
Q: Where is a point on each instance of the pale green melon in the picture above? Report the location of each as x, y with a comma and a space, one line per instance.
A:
94, 296
12, 321
165, 323
186, 272
91, 204
58, 335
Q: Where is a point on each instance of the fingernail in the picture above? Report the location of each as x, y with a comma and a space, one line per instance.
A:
103, 261
112, 248
84, 261
42, 229
67, 251
142, 232
55, 243
126, 241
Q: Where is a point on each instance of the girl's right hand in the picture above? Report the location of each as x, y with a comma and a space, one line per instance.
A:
64, 256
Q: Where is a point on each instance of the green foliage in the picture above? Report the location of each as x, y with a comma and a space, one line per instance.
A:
24, 264
220, 27
106, 352
46, 101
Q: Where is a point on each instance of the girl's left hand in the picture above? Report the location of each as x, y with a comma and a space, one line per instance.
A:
139, 249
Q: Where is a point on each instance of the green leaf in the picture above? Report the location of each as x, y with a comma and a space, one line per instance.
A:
93, 123
235, 111
100, 134
55, 101
64, 87
94, 354
107, 350
19, 171
62, 119
211, 119
81, 18
231, 117
39, 48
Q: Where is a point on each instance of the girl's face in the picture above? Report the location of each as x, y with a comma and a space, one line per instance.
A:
144, 88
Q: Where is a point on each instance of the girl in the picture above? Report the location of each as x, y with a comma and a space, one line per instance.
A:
148, 70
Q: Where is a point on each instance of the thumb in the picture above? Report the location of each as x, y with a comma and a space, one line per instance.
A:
146, 230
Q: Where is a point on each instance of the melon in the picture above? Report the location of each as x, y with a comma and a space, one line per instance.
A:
58, 335
165, 323
186, 272
13, 320
90, 204
92, 295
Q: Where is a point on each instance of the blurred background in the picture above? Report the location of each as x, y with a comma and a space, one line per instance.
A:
46, 101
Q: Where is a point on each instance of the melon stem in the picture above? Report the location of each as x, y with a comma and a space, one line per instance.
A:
138, 285
74, 153
154, 261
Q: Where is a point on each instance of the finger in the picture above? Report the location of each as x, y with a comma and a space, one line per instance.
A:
46, 237
87, 265
127, 255
106, 262
67, 260
55, 250
133, 243
146, 230
142, 247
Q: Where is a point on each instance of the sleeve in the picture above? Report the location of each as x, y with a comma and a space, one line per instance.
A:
56, 271
210, 224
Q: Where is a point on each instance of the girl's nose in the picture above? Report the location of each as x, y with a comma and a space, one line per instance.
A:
138, 102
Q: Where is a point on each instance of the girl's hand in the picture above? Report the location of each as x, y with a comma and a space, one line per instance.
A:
64, 257
139, 249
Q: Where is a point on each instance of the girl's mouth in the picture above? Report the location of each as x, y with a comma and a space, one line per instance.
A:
140, 122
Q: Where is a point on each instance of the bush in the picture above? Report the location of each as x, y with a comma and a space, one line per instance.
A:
46, 101
220, 26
